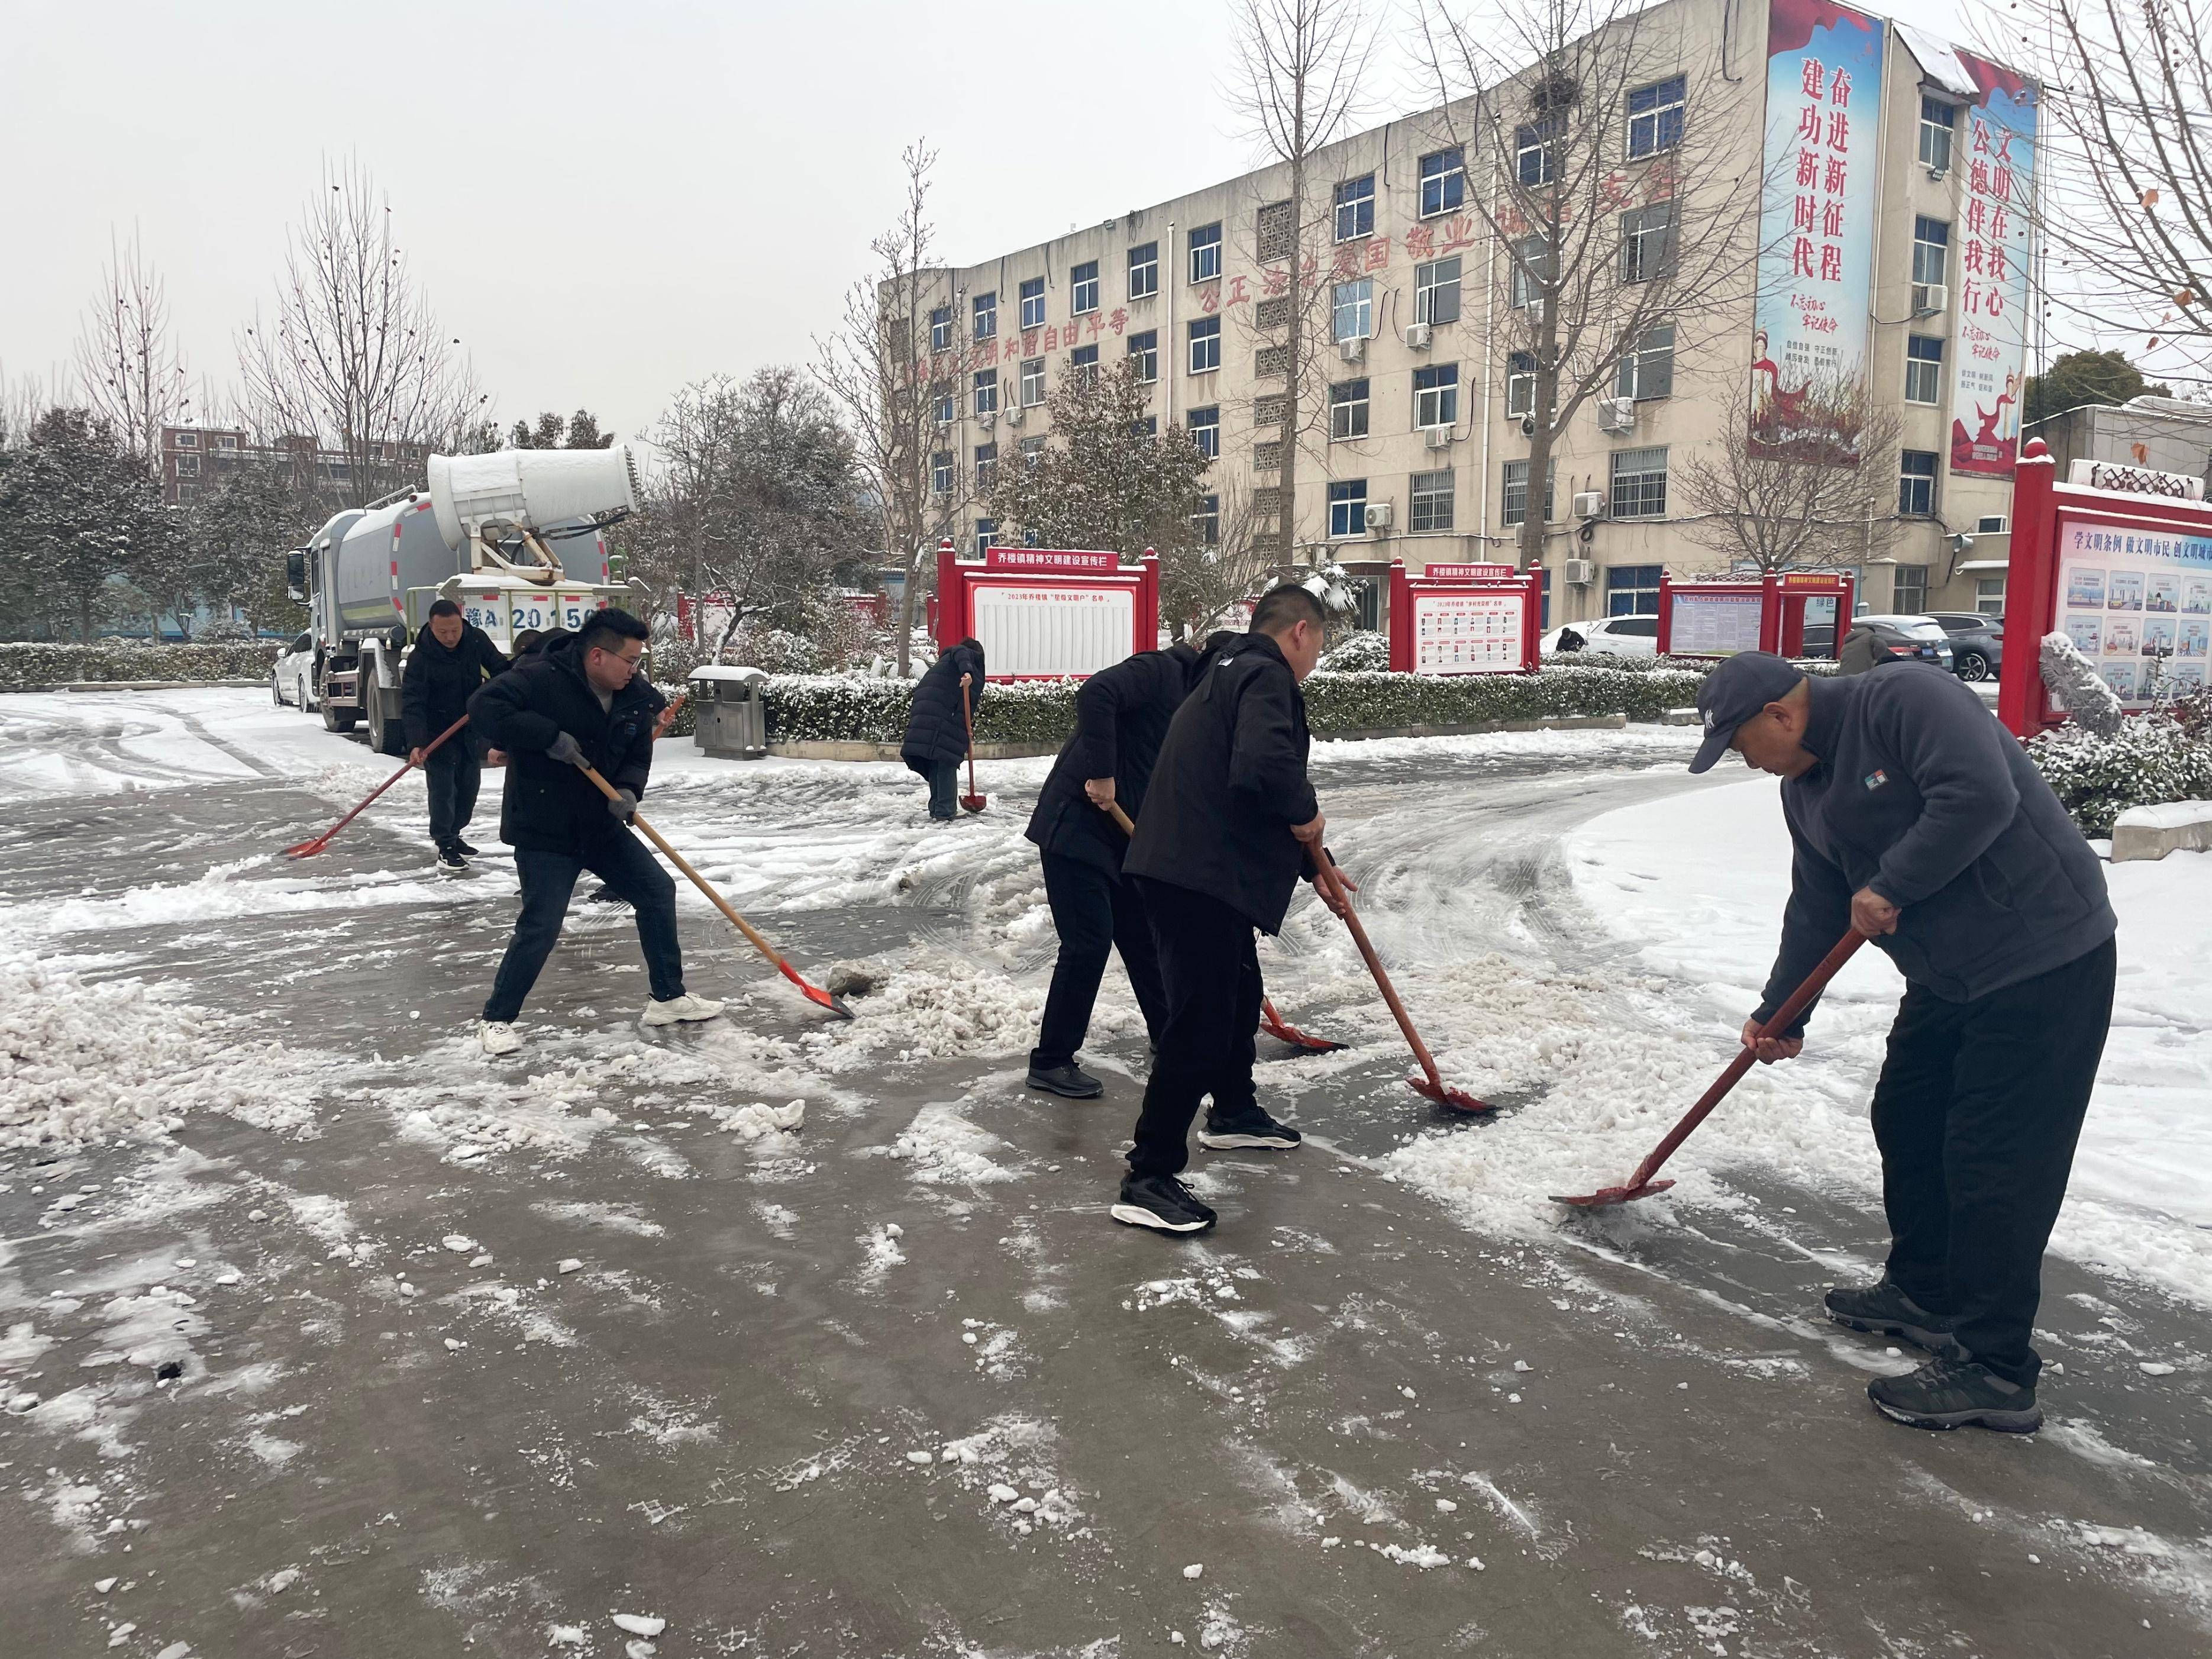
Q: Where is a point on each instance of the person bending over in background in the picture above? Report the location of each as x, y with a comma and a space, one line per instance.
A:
936, 739
451, 658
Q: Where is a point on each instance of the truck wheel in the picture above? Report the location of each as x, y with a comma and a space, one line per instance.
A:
386, 735
334, 718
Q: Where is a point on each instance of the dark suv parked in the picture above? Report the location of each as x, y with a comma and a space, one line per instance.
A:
1977, 643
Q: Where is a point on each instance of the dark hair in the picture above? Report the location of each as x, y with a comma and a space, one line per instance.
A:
1286, 607
444, 608
610, 627
526, 640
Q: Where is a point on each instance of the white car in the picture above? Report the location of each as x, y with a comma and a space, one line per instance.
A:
292, 680
1611, 636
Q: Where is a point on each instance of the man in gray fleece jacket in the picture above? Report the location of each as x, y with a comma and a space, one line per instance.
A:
1919, 821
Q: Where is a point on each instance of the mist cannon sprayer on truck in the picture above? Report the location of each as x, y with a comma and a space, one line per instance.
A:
517, 538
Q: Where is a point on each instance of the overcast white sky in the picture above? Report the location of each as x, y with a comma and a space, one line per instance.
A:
604, 200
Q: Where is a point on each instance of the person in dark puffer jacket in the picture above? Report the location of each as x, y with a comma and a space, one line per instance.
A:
450, 659
936, 740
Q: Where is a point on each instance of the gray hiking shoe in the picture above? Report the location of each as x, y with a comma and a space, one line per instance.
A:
1956, 1393
1885, 1310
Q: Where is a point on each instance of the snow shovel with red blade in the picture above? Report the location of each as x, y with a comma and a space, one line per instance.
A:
1270, 1021
308, 849
813, 994
972, 801
1641, 1185
1431, 1083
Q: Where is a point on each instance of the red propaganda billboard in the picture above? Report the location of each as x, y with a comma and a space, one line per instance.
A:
1795, 613
1046, 613
1991, 339
1442, 622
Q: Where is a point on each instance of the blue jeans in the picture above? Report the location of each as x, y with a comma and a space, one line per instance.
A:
548, 878
944, 789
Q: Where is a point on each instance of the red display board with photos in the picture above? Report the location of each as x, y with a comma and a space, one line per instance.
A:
1043, 612
1465, 619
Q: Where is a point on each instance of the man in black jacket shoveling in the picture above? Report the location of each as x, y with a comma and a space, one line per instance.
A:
1918, 821
936, 738
1121, 715
1228, 818
579, 702
450, 659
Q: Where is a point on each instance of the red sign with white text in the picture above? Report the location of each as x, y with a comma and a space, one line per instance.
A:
1046, 558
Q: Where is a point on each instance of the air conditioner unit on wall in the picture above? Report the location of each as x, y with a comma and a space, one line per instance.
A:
1616, 414
1417, 336
1354, 350
1014, 415
1378, 516
1929, 298
1590, 504
1439, 437
1579, 572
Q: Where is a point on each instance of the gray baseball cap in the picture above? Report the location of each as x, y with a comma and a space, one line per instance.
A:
1733, 693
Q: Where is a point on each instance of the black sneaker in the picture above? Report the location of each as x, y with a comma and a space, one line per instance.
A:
1252, 1128
1162, 1203
467, 851
604, 896
1956, 1393
451, 861
1885, 1310
1070, 1079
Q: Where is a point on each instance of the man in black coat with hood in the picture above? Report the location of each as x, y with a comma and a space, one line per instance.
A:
1122, 716
578, 702
1228, 819
450, 659
937, 726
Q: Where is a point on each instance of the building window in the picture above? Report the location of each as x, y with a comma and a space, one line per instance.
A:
1655, 117
1436, 395
1531, 151
1647, 367
1923, 369
226, 440
1205, 253
1032, 382
1083, 360
1517, 492
1032, 450
944, 410
1939, 124
1632, 590
1908, 589
986, 463
1146, 348
1205, 429
1206, 523
1083, 287
941, 329
1639, 484
1204, 345
987, 531
1931, 249
1267, 457
188, 466
940, 472
1443, 182
1143, 271
1989, 595
1275, 230
1268, 409
1520, 383
1647, 243
1147, 427
1436, 291
1270, 314
186, 439
1033, 303
1355, 207
1347, 410
1431, 496
1916, 483
1532, 270
1270, 362
987, 316
1347, 508
986, 392
1354, 309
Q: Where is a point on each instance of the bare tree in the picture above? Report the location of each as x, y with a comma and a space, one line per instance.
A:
1300, 64
874, 369
23, 398
1820, 499
1600, 259
2127, 196
355, 359
130, 372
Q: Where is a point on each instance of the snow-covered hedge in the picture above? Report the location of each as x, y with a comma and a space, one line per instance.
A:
1363, 652
1701, 666
23, 665
2152, 759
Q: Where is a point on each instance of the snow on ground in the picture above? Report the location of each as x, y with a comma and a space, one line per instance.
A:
1698, 881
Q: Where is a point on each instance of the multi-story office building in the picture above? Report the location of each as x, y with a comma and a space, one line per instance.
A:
194, 460
1891, 242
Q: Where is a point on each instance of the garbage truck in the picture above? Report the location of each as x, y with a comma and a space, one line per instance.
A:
517, 538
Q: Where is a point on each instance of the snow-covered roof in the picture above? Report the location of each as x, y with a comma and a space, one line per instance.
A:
1939, 60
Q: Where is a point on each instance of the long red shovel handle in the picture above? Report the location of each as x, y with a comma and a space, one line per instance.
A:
308, 849
973, 800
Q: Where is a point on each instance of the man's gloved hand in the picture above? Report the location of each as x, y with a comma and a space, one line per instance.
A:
566, 750
622, 804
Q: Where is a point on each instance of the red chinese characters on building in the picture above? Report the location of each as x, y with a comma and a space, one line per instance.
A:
1986, 262
1817, 213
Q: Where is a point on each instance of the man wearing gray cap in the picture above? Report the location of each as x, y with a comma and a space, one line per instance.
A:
1918, 821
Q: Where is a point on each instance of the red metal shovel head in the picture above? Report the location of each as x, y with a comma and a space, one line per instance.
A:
1605, 1196
1298, 1039
1457, 1099
975, 802
307, 849
816, 994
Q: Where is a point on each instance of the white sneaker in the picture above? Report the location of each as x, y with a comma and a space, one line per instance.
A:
681, 1010
498, 1037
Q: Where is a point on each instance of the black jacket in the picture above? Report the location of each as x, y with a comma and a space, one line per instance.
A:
435, 689
1920, 795
549, 806
936, 730
1122, 716
1230, 782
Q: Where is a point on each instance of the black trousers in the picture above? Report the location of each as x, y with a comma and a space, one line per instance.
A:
548, 878
944, 789
451, 776
1210, 969
1976, 1113
1094, 913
